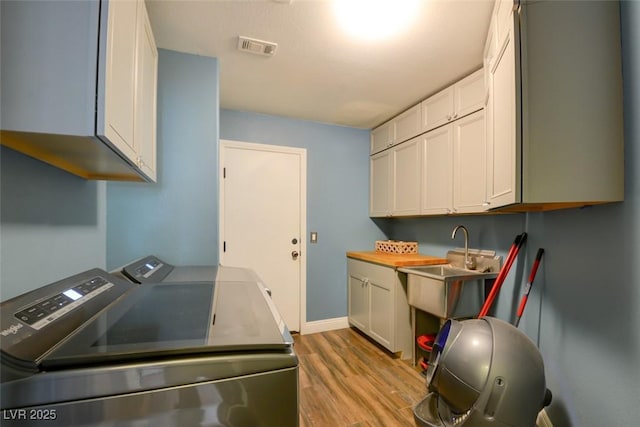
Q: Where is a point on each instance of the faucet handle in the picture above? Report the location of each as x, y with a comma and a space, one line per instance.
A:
470, 264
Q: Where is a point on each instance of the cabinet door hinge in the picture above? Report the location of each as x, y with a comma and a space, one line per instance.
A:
224, 173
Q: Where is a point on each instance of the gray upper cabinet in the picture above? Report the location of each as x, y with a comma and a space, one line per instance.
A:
79, 86
554, 105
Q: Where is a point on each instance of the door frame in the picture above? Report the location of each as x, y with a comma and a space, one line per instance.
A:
302, 153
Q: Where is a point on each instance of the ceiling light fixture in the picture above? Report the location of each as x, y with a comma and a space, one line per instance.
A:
375, 19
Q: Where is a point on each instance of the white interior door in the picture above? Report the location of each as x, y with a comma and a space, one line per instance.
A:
263, 219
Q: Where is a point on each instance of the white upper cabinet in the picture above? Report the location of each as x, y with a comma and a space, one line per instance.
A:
555, 106
382, 137
407, 124
81, 97
437, 174
468, 95
442, 171
399, 129
503, 167
381, 184
469, 166
120, 78
438, 109
454, 102
146, 101
406, 174
453, 176
395, 180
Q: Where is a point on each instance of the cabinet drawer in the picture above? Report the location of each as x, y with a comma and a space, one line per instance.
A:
382, 276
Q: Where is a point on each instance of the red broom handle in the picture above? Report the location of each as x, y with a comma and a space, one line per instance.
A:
511, 256
527, 290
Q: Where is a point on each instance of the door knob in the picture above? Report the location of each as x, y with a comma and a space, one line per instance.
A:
295, 254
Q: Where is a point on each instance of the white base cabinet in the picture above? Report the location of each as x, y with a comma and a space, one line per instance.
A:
378, 306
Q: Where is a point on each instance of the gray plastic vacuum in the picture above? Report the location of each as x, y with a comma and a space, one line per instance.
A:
482, 373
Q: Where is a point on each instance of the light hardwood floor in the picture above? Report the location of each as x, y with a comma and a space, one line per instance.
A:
346, 380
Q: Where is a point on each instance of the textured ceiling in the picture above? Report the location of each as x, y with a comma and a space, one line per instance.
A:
319, 72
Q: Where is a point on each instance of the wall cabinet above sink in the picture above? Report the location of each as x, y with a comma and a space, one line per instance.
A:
79, 86
552, 121
554, 103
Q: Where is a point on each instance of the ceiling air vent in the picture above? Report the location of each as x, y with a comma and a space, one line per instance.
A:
259, 47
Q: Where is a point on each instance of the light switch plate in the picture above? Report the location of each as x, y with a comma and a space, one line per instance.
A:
314, 237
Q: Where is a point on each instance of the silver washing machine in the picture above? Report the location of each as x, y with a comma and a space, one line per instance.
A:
96, 350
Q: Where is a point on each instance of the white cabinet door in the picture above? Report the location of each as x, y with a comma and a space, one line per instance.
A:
437, 174
454, 102
406, 173
358, 301
380, 184
469, 191
469, 94
437, 110
504, 17
381, 324
146, 85
120, 76
503, 171
382, 137
407, 125
378, 304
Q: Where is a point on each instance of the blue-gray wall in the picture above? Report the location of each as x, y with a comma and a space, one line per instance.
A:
52, 224
337, 197
177, 217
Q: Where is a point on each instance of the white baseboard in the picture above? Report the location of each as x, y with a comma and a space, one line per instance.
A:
324, 325
543, 420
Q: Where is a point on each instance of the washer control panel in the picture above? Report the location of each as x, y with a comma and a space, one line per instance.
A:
149, 269
33, 323
49, 309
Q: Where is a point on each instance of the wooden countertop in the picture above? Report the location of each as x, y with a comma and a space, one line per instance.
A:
396, 260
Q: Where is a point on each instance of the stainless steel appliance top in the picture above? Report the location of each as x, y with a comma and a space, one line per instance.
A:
197, 331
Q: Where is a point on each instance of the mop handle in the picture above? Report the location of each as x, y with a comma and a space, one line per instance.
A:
511, 256
529, 285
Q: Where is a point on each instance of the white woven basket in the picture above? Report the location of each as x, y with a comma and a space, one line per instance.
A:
396, 247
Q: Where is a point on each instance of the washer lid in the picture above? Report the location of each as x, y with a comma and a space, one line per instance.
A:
173, 320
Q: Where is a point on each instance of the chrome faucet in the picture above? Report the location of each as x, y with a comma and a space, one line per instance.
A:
469, 263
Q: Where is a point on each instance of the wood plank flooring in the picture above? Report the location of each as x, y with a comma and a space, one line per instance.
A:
347, 380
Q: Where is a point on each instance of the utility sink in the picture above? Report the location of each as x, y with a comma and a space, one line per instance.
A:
450, 290
450, 272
